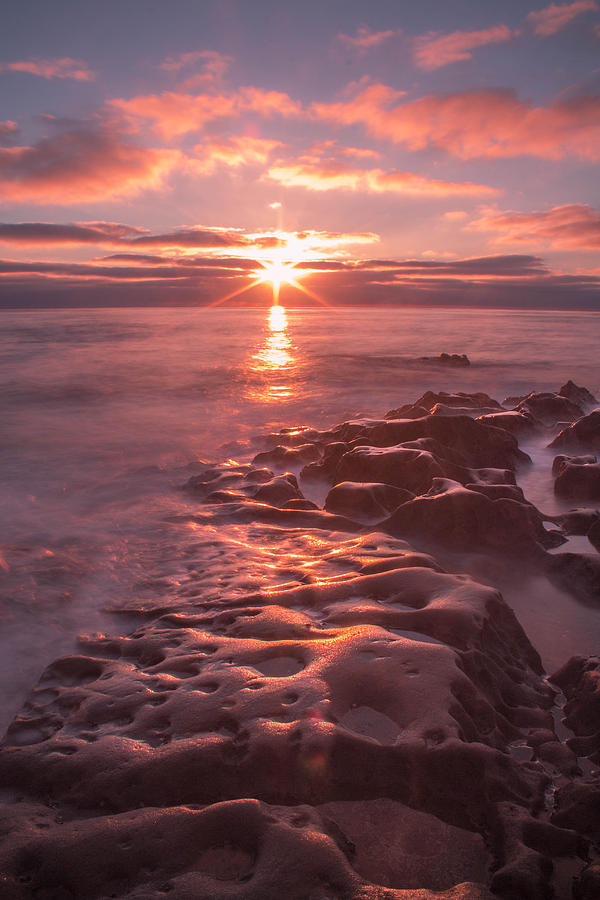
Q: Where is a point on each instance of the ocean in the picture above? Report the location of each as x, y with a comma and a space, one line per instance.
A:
105, 413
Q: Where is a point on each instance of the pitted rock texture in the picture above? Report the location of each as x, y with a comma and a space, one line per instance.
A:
312, 708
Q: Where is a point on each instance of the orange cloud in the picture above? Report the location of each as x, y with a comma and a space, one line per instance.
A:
64, 67
555, 17
80, 166
364, 38
175, 113
331, 174
232, 152
468, 124
575, 226
434, 50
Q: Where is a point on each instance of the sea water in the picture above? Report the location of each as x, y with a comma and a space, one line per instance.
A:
103, 411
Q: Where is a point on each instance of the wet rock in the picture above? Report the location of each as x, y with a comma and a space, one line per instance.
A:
281, 456
430, 399
472, 443
587, 885
578, 521
578, 807
578, 395
581, 435
559, 461
326, 466
513, 421
408, 469
549, 408
579, 680
278, 490
456, 517
577, 573
593, 533
449, 359
365, 502
577, 481
299, 504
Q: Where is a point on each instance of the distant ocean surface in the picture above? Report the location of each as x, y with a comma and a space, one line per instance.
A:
102, 410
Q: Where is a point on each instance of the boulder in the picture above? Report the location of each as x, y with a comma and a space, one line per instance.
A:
578, 481
281, 456
473, 443
581, 435
549, 408
578, 521
430, 399
457, 518
578, 395
516, 422
365, 502
560, 460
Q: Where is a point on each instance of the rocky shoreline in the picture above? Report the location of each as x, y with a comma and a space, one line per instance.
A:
363, 723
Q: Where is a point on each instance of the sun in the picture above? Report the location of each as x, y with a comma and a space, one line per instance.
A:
285, 264
278, 273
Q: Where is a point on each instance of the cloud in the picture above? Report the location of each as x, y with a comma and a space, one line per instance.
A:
365, 39
213, 63
116, 234
8, 132
140, 279
75, 233
434, 50
174, 113
232, 152
213, 239
331, 174
575, 226
64, 67
81, 165
469, 124
555, 17
455, 215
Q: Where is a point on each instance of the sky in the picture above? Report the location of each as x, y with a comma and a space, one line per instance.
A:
193, 152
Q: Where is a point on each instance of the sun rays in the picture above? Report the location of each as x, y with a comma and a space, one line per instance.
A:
281, 267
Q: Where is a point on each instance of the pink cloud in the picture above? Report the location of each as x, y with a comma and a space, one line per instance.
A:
80, 166
64, 67
364, 38
8, 130
555, 17
174, 113
331, 174
575, 226
232, 152
434, 50
468, 124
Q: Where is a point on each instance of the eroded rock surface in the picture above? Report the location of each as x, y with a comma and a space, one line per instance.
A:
313, 708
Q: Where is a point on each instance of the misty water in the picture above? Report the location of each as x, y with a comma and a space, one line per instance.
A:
105, 411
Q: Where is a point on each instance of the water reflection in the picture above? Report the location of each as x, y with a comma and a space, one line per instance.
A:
274, 360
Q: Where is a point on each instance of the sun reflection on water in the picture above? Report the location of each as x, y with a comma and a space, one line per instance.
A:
274, 358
